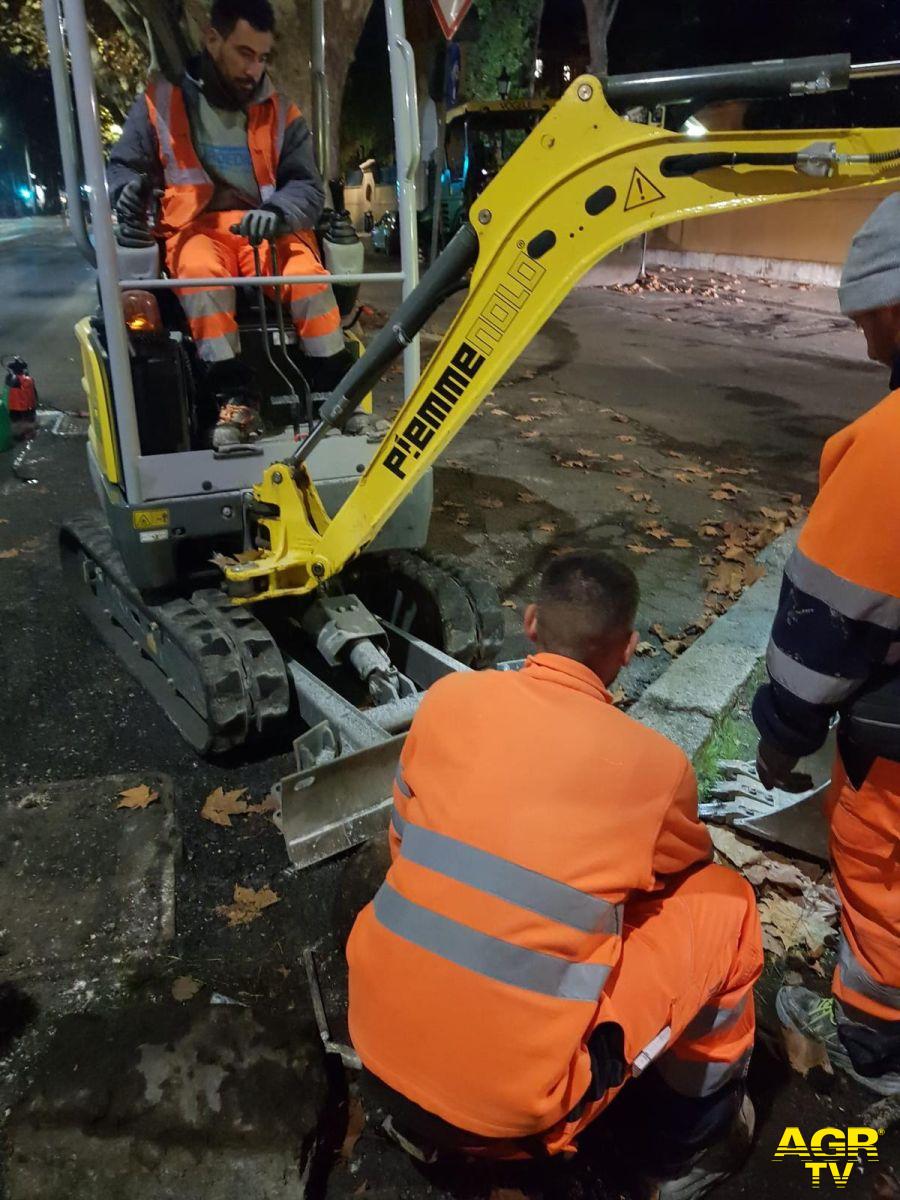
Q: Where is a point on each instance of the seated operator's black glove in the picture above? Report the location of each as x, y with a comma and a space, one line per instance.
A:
131, 212
260, 225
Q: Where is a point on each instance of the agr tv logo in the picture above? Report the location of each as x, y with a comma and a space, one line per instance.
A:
831, 1153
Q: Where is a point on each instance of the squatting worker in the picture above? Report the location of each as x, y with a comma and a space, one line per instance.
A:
224, 148
835, 648
551, 924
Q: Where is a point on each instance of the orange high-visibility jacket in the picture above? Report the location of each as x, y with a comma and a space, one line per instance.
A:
526, 809
187, 186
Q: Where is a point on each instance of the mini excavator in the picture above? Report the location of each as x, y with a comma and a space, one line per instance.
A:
327, 615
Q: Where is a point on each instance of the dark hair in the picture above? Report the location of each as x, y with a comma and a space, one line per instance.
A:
225, 14
586, 600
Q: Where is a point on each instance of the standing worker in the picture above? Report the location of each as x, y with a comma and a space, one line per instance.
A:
835, 649
551, 925
224, 149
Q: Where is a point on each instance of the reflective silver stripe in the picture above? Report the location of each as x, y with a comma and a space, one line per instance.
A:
855, 977
161, 95
488, 956
693, 1078
712, 1019
217, 349
267, 190
848, 598
809, 685
322, 346
508, 881
315, 304
207, 302
400, 780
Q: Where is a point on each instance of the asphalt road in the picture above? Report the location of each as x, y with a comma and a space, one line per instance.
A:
753, 386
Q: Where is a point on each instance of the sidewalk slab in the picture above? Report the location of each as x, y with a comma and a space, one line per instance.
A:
684, 702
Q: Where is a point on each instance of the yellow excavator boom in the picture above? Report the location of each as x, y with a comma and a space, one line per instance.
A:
584, 182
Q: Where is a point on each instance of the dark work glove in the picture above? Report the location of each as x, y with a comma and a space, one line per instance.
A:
259, 225
775, 769
131, 206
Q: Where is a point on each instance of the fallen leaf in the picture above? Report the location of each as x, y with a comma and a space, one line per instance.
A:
489, 502
463, 519
626, 438
792, 498
499, 412
356, 1123
5, 520
9, 553
803, 1053
508, 603
727, 843
270, 804
659, 631
220, 806
674, 454
587, 453
616, 457
682, 478
527, 498
675, 646
547, 527
720, 495
455, 464
637, 548
735, 471
709, 531
530, 433
682, 544
137, 797
185, 988
528, 373
646, 650
619, 696
700, 472
525, 418
640, 497
248, 904
773, 514
652, 508
570, 462
707, 560
658, 532
727, 486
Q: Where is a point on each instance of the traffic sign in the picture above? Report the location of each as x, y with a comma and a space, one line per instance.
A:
450, 13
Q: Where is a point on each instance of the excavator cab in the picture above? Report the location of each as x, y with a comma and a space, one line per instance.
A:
286, 589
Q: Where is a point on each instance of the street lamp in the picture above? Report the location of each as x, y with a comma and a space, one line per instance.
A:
503, 85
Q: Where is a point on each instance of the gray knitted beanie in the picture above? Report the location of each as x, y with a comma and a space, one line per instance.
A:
871, 276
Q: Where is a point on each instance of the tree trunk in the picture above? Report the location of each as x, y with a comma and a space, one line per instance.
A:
599, 15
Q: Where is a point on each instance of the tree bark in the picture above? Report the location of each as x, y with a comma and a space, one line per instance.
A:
600, 15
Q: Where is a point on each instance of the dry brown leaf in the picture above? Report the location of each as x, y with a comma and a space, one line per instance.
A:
735, 471
803, 1053
652, 508
527, 498
709, 531
682, 544
547, 527
489, 502
248, 904
640, 497
675, 646
463, 519
619, 696
658, 532
695, 469
623, 471
5, 520
499, 412
137, 797
637, 548
660, 632
587, 453
720, 495
528, 373
529, 434
508, 603
773, 514
626, 438
570, 462
269, 805
185, 988
727, 486
674, 454
646, 650
616, 457
792, 498
706, 560
356, 1123
9, 553
525, 418
682, 478
220, 806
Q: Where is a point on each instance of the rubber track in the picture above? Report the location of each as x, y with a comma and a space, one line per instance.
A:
222, 657
451, 606
485, 603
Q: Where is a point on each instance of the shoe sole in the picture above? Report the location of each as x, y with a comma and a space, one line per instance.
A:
872, 1083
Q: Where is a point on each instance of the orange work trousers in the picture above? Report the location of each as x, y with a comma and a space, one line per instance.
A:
207, 249
865, 853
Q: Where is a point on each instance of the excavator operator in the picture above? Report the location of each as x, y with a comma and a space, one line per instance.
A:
551, 925
224, 149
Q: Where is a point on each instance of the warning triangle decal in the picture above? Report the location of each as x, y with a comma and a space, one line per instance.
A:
641, 191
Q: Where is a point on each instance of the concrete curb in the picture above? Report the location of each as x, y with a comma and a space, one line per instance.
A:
684, 702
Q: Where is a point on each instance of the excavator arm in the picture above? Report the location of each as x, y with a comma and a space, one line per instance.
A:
584, 182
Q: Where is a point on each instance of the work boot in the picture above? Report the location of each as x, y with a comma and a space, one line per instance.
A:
709, 1166
237, 424
816, 1018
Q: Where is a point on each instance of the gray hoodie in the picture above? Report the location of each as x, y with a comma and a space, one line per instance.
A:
299, 196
